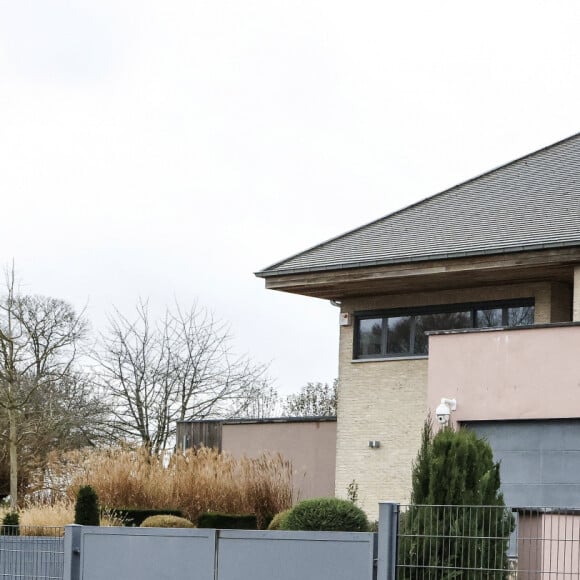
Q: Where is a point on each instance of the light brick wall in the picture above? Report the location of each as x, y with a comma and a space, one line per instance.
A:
576, 307
387, 400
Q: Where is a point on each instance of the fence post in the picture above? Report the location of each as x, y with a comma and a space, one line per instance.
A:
72, 552
387, 550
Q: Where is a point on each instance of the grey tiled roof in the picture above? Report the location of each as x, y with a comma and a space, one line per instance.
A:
530, 203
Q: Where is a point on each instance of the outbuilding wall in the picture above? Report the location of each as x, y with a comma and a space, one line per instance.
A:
310, 445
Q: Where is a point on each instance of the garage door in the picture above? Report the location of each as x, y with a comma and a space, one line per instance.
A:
540, 460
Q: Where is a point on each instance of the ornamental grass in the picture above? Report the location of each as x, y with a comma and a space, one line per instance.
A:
192, 482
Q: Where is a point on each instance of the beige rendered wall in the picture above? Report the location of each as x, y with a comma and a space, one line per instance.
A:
387, 400
507, 374
311, 446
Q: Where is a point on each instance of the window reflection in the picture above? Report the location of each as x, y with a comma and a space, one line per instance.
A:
398, 334
405, 333
520, 316
488, 317
370, 336
438, 321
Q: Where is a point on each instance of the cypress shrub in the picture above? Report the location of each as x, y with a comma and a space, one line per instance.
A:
87, 507
458, 523
325, 514
227, 521
10, 524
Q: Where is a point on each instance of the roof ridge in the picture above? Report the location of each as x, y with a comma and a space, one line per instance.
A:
429, 198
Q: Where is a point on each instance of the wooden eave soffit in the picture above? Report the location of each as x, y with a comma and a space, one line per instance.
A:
545, 265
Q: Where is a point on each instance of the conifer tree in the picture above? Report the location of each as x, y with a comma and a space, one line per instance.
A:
458, 524
10, 524
87, 507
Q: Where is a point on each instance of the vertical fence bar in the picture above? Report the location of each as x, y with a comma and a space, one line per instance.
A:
72, 552
388, 532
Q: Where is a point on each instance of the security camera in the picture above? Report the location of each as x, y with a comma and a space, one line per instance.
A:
443, 411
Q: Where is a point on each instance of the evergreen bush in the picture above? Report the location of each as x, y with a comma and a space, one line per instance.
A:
325, 514
10, 524
166, 521
458, 523
87, 507
227, 521
277, 520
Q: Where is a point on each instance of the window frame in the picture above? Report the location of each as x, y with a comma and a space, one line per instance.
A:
385, 314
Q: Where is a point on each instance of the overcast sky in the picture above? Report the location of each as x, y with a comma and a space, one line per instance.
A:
170, 149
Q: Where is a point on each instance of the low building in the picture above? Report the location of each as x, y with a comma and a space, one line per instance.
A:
308, 442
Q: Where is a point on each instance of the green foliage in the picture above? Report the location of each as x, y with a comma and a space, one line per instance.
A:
352, 491
277, 520
313, 400
458, 523
135, 517
10, 524
422, 466
227, 521
166, 521
87, 507
326, 514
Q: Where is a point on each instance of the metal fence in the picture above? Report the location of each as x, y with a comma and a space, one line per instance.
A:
208, 554
491, 542
31, 553
413, 543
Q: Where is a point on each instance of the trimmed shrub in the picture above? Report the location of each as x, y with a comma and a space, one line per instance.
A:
10, 524
277, 520
87, 507
227, 521
132, 517
166, 521
326, 514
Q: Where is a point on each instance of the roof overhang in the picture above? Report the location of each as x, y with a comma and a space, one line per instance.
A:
506, 268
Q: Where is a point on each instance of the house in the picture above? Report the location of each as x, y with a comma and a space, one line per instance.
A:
308, 442
472, 294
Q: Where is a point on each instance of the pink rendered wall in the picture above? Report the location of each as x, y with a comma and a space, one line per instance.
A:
507, 374
548, 546
311, 446
562, 546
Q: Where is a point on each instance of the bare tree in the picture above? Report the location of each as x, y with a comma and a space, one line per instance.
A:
262, 401
313, 400
62, 415
178, 368
38, 345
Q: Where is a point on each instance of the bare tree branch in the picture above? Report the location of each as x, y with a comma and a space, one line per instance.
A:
43, 399
180, 367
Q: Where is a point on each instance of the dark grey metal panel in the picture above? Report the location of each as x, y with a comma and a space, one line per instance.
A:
540, 460
295, 555
531, 203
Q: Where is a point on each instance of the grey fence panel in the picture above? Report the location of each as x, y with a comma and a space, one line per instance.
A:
147, 554
295, 555
31, 558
